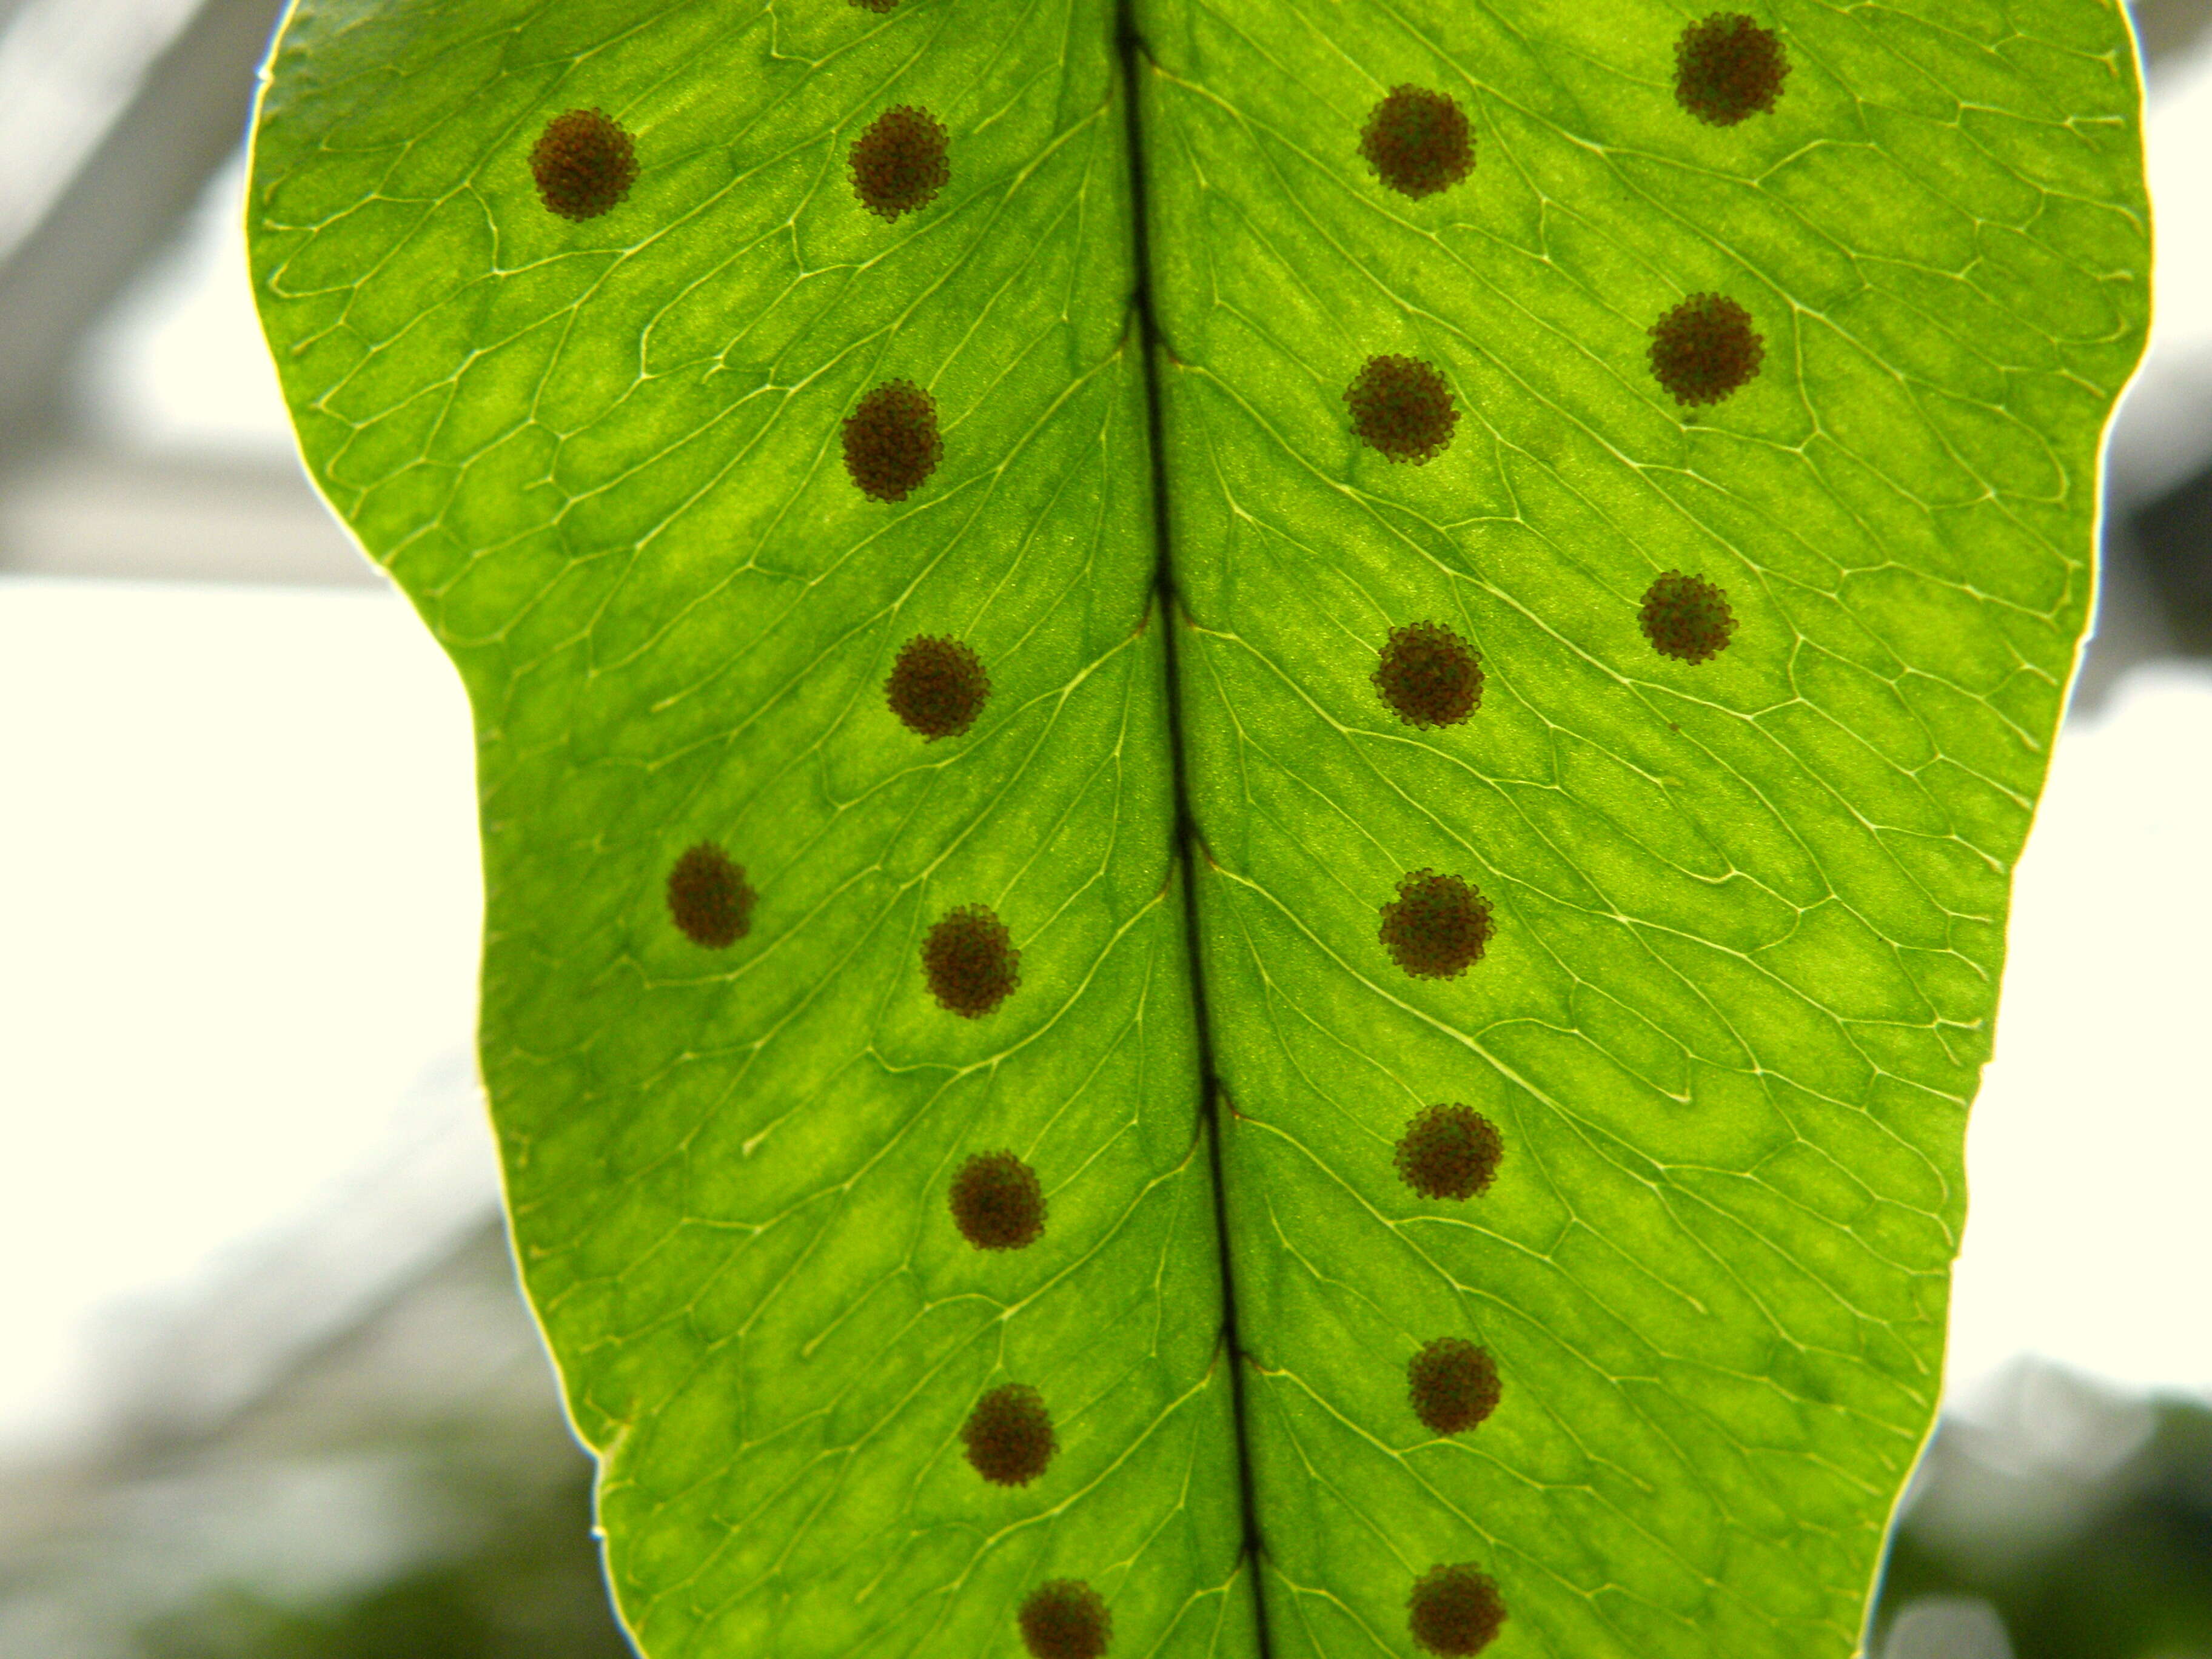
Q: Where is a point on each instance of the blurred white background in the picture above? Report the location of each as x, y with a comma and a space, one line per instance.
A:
238, 897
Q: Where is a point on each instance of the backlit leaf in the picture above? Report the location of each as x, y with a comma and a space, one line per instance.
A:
1280, 817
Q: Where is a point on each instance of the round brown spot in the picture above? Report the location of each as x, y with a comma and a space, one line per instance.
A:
1428, 675
878, 6
1455, 1610
1704, 350
937, 687
1727, 67
1449, 1151
1437, 926
1401, 406
1066, 1618
891, 444
1009, 1435
1453, 1385
898, 163
1686, 617
708, 897
997, 1202
970, 961
583, 163
1418, 141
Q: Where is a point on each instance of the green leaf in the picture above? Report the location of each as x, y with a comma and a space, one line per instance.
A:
1745, 914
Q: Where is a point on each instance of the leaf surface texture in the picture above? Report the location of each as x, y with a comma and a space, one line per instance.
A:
1740, 918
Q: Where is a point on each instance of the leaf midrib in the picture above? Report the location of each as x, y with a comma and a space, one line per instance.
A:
1132, 55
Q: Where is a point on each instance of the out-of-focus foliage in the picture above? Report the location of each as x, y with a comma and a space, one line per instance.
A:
530, 1589
2085, 1518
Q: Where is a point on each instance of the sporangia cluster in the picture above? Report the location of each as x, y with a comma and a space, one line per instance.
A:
1401, 408
937, 687
585, 164
899, 164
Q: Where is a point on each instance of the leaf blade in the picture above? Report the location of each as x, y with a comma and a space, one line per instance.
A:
604, 458
1748, 912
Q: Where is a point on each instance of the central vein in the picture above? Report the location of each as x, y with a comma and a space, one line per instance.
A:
1186, 829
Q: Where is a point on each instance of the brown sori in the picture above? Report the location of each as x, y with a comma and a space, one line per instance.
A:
1455, 1610
1727, 68
998, 1203
1452, 1385
1418, 141
1686, 617
1438, 925
1704, 350
1449, 1151
937, 687
1429, 676
1009, 1435
891, 444
899, 164
1401, 407
1066, 1618
970, 961
584, 163
709, 897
